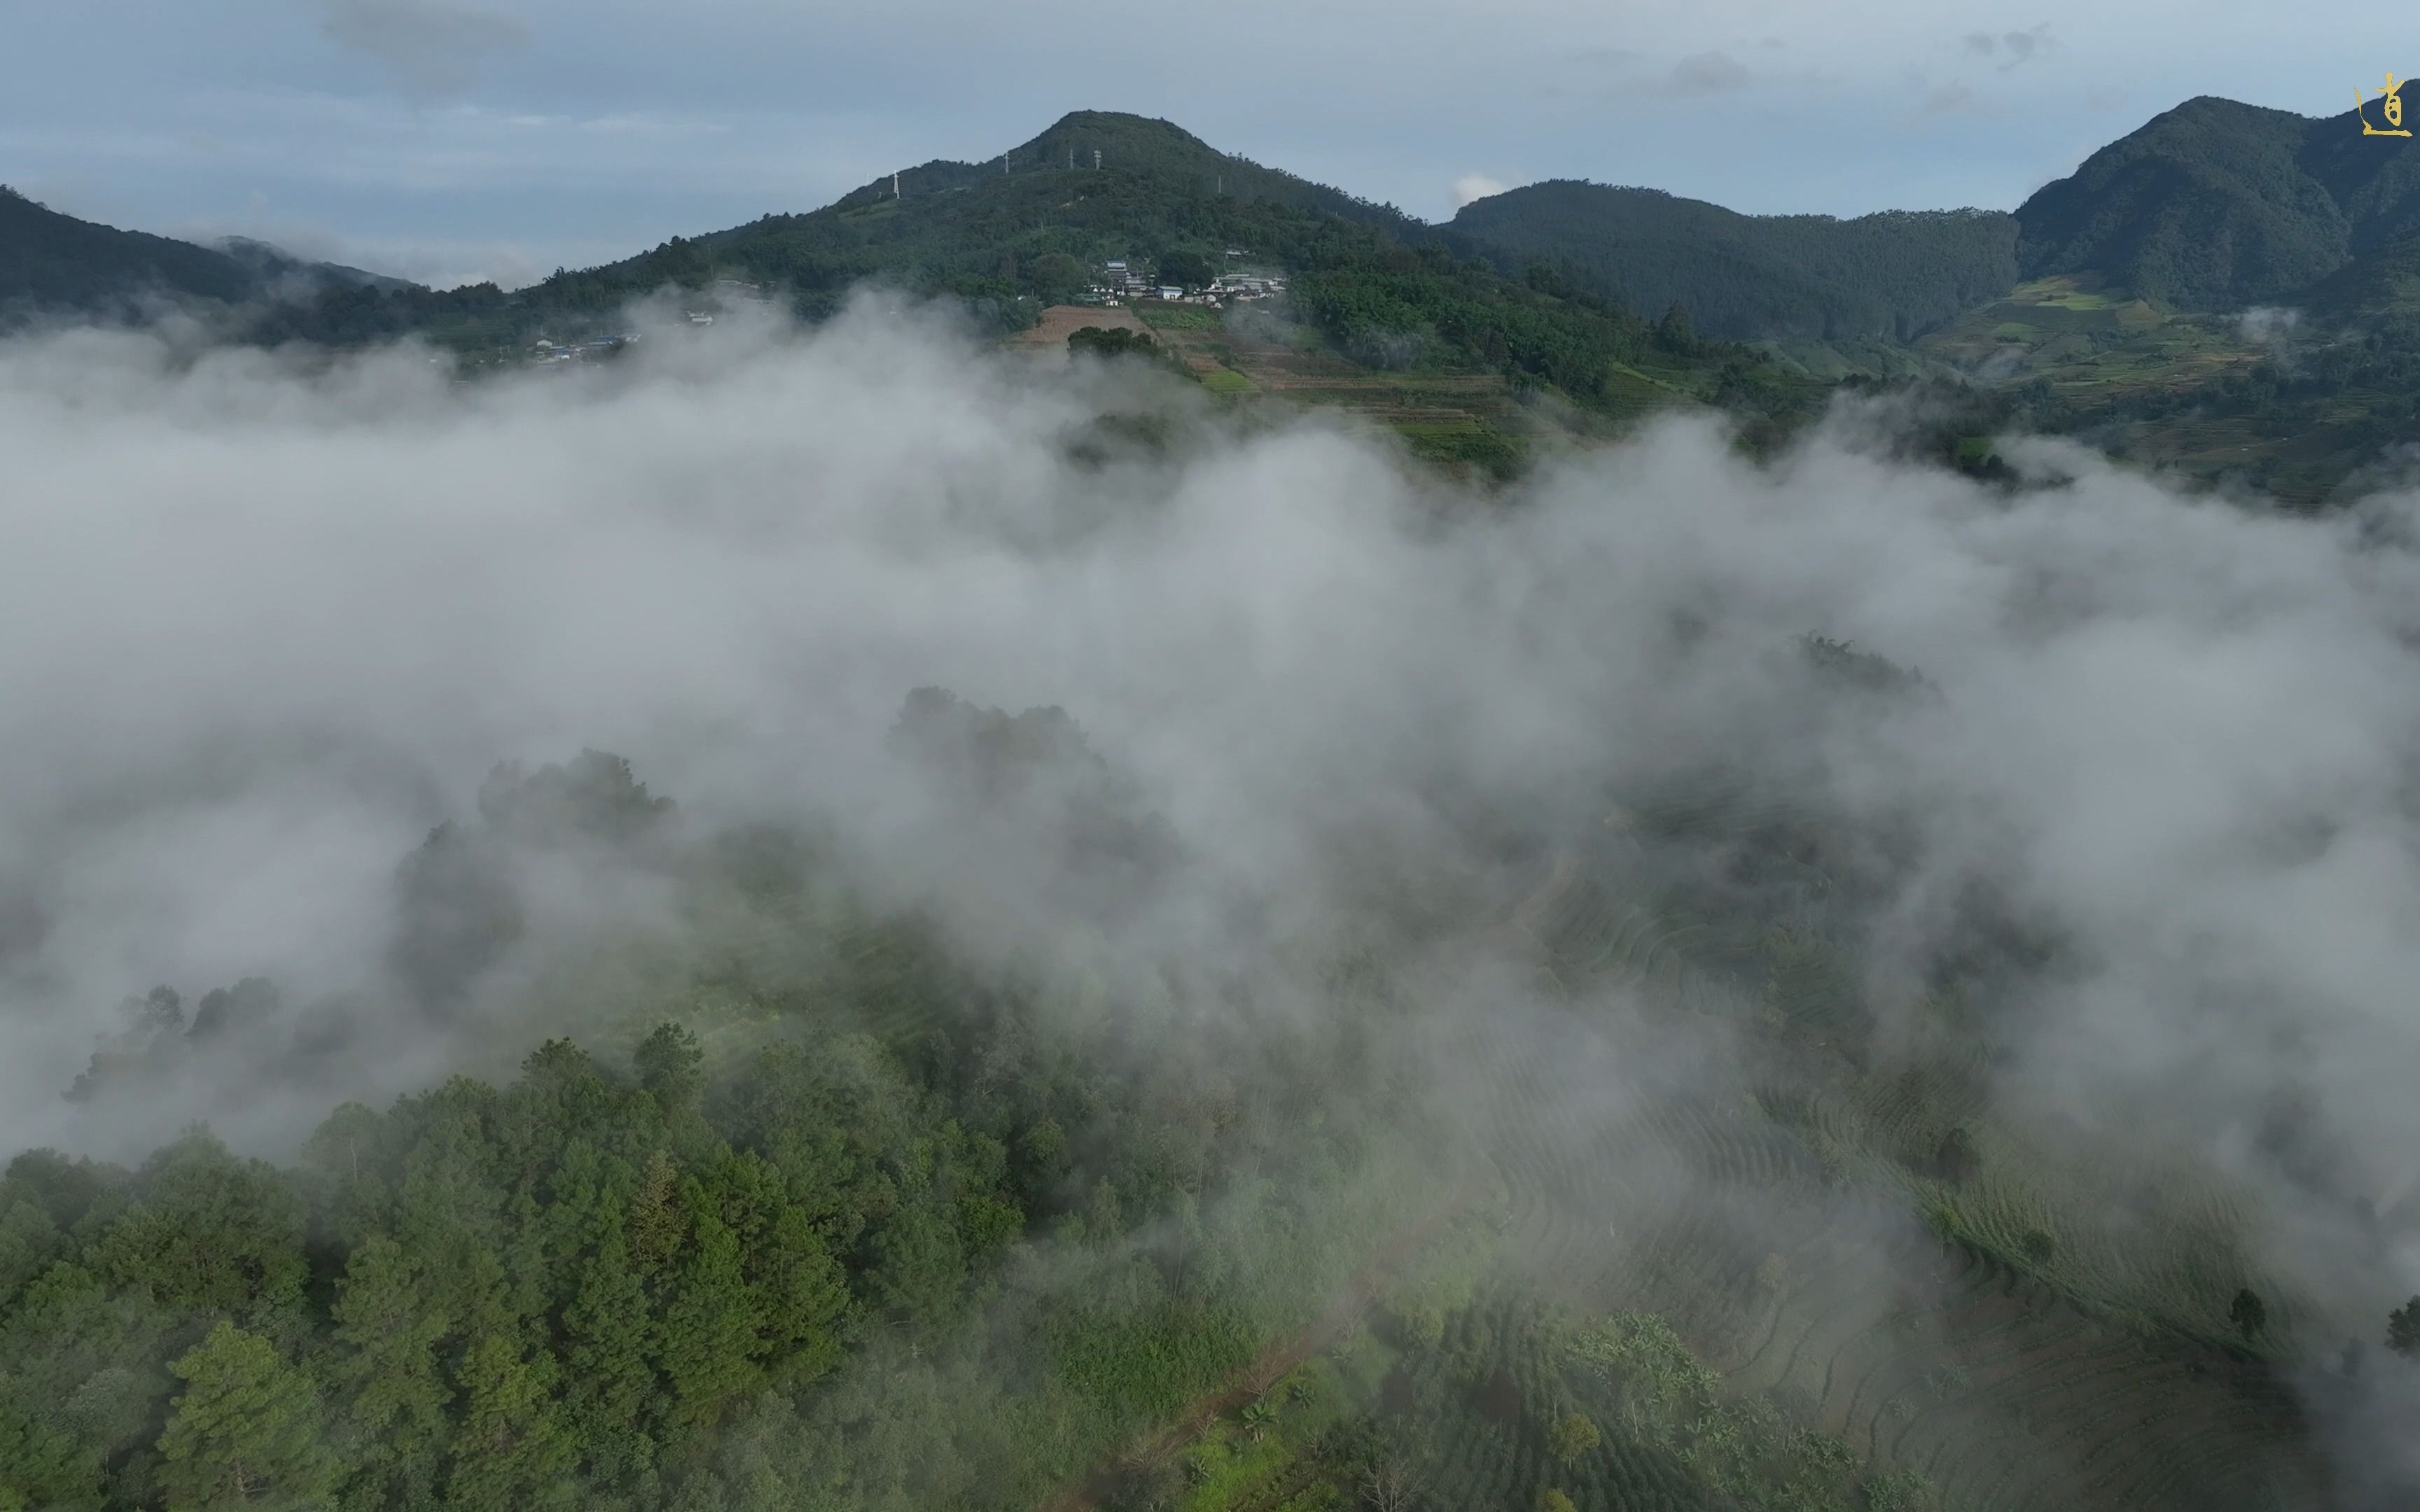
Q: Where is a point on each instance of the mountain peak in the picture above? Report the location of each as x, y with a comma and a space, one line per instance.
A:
2217, 204
1120, 139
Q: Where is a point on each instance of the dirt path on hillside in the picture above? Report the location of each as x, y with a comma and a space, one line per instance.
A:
1335, 1321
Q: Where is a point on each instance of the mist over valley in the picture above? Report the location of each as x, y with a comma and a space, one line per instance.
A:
1061, 838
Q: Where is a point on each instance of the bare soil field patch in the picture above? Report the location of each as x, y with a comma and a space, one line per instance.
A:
1060, 321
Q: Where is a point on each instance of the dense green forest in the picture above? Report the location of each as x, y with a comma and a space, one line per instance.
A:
1003, 236
2215, 204
622, 1282
53, 265
1617, 1145
843, 1212
1625, 300
1008, 236
876, 1228
1613, 302
49, 260
1751, 277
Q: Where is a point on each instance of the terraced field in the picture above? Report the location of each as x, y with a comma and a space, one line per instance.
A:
1900, 1335
1725, 1246
1469, 418
1799, 1242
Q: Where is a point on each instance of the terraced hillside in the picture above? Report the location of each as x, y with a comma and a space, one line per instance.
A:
1457, 414
2077, 331
1743, 1249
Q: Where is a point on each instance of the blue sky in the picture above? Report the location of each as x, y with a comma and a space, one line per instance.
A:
453, 139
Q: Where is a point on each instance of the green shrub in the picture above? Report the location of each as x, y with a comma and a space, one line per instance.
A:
1416, 1324
1110, 342
1572, 1436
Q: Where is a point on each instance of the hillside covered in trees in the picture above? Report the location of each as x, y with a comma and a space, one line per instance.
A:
1004, 237
2123, 288
1751, 277
53, 266
867, 1222
2216, 205
50, 261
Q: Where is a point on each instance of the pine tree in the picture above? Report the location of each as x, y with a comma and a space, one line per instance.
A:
246, 1433
654, 1222
1672, 332
668, 1061
610, 1329
805, 1294
391, 1318
710, 1336
513, 1452
212, 1232
42, 1466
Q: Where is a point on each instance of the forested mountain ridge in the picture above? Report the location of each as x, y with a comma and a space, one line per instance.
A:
2216, 205
53, 264
1097, 140
54, 261
1891, 274
2212, 206
277, 269
855, 1219
1369, 287
2119, 288
628, 1279
1095, 186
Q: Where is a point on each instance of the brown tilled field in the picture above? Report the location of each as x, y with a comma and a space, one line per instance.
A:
1061, 321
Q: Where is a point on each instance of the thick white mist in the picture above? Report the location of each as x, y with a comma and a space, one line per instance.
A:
260, 628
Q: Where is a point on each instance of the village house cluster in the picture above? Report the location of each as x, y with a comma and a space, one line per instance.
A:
721, 292
543, 351
1121, 281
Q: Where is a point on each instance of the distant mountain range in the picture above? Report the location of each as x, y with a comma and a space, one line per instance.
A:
2212, 206
1752, 277
53, 263
2113, 298
1096, 185
2217, 205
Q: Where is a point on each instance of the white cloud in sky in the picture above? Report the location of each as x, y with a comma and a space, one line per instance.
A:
1471, 186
